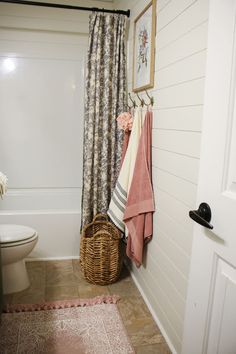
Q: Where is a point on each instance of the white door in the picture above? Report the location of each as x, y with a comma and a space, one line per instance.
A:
210, 322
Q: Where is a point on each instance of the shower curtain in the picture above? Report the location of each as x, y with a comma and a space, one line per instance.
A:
105, 99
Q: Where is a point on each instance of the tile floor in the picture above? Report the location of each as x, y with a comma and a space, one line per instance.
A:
59, 280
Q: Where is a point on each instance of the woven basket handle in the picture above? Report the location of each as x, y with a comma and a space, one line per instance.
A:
100, 216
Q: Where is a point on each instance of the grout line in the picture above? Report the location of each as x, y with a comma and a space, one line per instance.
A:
172, 196
178, 130
165, 235
183, 225
179, 60
157, 90
172, 264
181, 36
174, 175
171, 284
163, 7
176, 107
164, 274
179, 224
179, 200
178, 83
177, 153
179, 14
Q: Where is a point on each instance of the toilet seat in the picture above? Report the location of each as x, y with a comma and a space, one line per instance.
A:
16, 235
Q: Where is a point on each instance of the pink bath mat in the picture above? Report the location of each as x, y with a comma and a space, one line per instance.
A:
91, 326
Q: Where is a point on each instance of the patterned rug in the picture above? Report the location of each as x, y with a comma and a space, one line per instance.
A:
91, 326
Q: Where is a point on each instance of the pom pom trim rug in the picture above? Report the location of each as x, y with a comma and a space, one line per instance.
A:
91, 326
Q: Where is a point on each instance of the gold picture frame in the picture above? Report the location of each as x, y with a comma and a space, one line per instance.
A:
144, 48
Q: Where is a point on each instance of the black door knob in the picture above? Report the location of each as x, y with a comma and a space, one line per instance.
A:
202, 216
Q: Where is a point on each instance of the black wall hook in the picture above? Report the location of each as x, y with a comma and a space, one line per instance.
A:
142, 102
133, 101
151, 98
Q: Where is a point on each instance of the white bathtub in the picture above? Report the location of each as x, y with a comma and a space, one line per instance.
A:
58, 225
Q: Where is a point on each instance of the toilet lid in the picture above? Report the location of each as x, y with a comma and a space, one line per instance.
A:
14, 233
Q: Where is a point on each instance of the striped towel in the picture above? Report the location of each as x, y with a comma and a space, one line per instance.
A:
119, 197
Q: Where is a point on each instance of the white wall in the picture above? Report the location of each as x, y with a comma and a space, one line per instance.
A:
42, 57
181, 42
50, 199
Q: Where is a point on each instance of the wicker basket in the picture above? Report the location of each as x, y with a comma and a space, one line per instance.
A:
101, 251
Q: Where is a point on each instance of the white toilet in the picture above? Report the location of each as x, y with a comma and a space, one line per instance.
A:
16, 242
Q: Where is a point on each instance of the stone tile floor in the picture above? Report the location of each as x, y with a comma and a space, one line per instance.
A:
59, 280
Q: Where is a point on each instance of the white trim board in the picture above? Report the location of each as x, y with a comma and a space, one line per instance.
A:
163, 332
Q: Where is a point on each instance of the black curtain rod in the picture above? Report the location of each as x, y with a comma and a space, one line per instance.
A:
69, 7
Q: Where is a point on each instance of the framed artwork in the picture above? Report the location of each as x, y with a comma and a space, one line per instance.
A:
144, 48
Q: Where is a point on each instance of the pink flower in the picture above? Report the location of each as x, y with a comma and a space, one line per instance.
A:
125, 121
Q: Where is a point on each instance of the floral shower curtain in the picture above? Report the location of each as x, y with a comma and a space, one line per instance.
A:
105, 99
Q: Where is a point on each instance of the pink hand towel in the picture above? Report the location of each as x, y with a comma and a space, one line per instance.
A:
140, 203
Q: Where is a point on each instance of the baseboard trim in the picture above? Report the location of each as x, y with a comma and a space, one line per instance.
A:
168, 341
44, 259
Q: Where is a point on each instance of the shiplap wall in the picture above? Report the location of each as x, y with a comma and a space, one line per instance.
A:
181, 42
